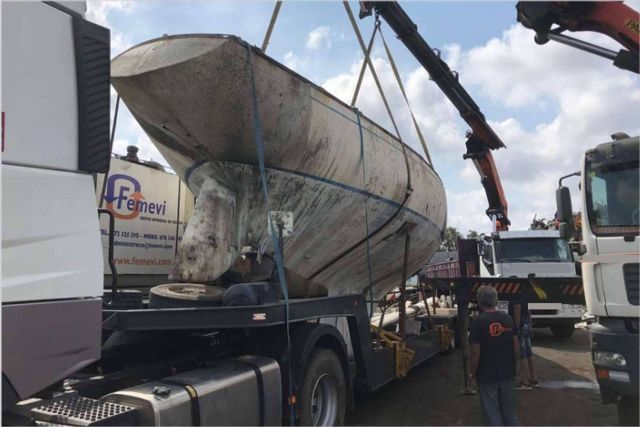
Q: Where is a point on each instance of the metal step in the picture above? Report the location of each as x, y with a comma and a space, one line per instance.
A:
82, 411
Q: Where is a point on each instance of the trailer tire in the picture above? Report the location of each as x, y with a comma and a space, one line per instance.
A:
183, 295
628, 411
323, 397
563, 331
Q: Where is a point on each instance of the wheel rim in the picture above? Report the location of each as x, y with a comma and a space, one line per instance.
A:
324, 401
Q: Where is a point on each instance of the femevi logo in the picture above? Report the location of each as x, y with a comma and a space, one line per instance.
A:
125, 200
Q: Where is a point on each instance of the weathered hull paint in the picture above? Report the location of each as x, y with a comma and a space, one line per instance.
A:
192, 95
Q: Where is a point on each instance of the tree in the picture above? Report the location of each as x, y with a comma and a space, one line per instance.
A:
472, 234
451, 235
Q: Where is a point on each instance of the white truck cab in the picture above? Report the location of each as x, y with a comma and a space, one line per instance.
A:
541, 253
55, 118
610, 199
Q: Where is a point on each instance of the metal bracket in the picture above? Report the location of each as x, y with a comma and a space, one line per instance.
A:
403, 355
285, 218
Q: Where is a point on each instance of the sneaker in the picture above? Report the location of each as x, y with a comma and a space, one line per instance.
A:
523, 386
535, 384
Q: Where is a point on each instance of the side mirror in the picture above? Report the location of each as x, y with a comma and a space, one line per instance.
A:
566, 230
481, 248
563, 204
565, 213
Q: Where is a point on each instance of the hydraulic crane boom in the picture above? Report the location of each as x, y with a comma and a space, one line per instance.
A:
481, 139
614, 19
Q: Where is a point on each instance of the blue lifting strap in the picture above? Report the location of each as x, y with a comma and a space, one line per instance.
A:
258, 136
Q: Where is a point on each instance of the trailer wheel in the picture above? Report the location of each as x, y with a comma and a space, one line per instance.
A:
181, 295
563, 331
323, 398
628, 411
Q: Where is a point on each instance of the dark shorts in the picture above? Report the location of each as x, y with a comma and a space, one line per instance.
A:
524, 336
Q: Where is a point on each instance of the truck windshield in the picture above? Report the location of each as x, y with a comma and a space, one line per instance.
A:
533, 250
613, 199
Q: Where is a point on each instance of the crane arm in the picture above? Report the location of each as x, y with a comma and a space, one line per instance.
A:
481, 138
614, 19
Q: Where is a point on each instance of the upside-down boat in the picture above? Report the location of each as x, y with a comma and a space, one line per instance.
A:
354, 189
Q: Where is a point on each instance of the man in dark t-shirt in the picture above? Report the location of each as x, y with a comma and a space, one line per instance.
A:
493, 354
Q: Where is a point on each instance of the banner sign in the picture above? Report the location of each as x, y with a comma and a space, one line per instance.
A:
151, 208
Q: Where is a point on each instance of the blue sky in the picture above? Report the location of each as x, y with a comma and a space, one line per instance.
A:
548, 103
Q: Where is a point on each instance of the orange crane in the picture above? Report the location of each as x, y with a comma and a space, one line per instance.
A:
481, 139
614, 19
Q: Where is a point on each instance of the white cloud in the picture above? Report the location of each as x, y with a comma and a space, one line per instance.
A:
291, 60
466, 210
589, 97
319, 38
98, 11
592, 99
436, 116
584, 98
127, 132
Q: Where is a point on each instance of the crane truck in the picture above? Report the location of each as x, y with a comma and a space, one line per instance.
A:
609, 201
539, 254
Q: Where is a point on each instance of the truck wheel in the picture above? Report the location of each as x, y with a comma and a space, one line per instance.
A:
562, 331
323, 398
181, 295
628, 411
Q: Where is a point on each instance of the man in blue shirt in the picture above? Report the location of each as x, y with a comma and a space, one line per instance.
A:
493, 355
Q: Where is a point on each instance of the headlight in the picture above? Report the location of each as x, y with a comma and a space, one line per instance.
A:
612, 360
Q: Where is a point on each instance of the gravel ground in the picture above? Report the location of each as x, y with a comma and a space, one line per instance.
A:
430, 395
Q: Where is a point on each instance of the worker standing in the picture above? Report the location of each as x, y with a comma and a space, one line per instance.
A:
519, 312
493, 356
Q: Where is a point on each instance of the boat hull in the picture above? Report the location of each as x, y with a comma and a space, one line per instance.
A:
343, 177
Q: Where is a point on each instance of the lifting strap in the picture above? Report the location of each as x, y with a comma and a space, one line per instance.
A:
373, 71
367, 59
396, 74
364, 65
259, 142
404, 94
409, 189
272, 23
366, 213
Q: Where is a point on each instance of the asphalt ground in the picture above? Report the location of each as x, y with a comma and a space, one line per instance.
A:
430, 395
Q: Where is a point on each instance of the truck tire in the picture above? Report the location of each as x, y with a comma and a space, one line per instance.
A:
563, 331
628, 411
184, 295
323, 398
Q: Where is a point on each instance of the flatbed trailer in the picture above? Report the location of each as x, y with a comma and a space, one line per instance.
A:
180, 341
256, 353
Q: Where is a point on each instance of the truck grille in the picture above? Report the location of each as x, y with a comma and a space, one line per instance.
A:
631, 279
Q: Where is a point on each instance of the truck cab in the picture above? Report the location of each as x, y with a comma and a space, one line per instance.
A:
55, 120
610, 228
541, 253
